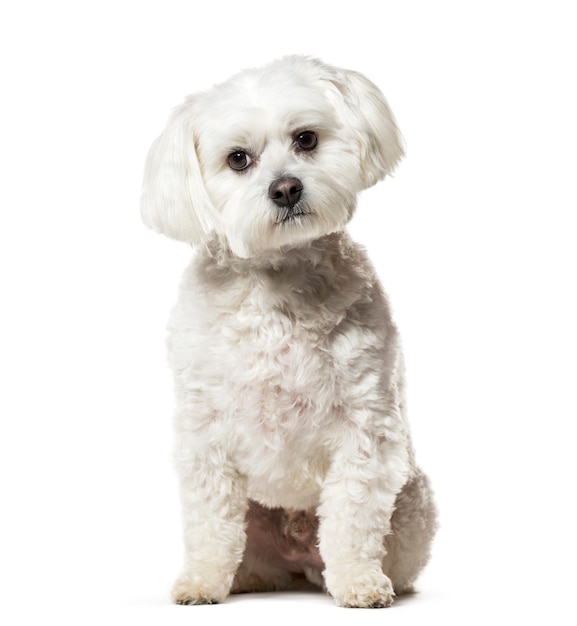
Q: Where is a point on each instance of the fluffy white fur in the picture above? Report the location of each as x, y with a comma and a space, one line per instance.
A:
288, 368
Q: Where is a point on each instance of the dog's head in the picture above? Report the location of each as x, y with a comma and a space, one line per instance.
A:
273, 157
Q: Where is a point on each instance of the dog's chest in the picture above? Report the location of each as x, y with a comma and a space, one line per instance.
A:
281, 402
279, 372
264, 361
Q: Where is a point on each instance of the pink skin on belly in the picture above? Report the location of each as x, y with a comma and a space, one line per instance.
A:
286, 538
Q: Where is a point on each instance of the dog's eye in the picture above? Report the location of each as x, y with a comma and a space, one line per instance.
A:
307, 140
239, 160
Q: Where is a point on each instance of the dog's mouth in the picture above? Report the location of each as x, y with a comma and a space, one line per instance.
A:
291, 214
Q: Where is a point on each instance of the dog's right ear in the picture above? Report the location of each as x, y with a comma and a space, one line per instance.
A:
174, 201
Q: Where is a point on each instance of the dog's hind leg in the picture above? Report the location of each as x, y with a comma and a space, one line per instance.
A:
413, 526
281, 551
254, 575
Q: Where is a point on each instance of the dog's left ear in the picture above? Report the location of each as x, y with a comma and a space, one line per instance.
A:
367, 112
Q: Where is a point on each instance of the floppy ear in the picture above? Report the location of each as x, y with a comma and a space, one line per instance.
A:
367, 112
174, 201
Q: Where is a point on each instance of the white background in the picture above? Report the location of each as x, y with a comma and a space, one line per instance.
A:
474, 239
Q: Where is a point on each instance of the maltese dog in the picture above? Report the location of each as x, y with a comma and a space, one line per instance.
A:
293, 449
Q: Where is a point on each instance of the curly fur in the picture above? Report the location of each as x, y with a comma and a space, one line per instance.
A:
293, 447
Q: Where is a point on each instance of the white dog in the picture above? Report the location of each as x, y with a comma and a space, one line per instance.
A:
293, 449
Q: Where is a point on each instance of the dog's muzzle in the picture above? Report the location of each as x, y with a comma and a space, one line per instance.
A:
285, 192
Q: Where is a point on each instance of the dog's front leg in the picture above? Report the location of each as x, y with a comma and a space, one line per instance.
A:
357, 502
214, 504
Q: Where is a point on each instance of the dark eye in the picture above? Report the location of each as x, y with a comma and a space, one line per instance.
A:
239, 160
307, 140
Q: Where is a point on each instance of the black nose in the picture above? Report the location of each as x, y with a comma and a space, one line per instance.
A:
286, 191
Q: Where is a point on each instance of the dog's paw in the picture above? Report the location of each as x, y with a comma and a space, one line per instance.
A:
190, 591
363, 592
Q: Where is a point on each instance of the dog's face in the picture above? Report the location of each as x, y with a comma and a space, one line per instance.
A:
273, 157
